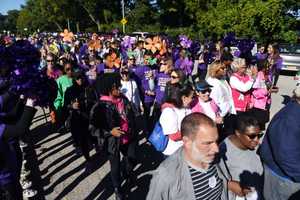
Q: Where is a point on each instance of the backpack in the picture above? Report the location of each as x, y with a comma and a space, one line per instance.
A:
157, 138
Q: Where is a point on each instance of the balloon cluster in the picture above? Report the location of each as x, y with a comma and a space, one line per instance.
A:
185, 42
20, 66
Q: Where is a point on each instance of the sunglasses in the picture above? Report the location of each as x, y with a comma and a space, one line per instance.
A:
50, 60
125, 73
205, 91
252, 137
174, 77
162, 63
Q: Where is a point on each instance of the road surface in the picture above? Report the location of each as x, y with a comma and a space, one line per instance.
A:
58, 173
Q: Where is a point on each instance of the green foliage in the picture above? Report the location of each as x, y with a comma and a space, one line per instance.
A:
264, 20
9, 21
141, 16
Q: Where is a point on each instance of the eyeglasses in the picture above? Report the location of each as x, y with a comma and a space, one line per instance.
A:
254, 136
174, 77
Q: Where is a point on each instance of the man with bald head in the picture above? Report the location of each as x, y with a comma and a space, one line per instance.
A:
191, 172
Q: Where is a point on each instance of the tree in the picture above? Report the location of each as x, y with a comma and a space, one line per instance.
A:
25, 21
2, 22
10, 21
142, 16
262, 19
173, 9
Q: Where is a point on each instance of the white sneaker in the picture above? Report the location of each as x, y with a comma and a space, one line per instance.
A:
25, 173
23, 144
29, 193
24, 162
26, 184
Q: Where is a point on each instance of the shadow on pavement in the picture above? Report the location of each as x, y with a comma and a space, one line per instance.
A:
96, 162
148, 159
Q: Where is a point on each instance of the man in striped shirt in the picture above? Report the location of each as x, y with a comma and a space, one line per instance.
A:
191, 173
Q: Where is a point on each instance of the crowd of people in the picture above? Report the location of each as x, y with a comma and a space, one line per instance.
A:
211, 105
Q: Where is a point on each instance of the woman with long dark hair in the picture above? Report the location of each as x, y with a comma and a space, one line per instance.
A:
275, 61
175, 108
113, 119
76, 103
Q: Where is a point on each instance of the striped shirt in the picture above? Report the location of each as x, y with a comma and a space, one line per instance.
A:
207, 185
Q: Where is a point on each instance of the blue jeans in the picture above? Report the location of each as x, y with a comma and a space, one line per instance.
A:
279, 188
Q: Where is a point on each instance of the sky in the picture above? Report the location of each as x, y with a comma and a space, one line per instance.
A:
6, 5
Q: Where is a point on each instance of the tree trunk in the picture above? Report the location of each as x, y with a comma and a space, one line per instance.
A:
77, 27
98, 26
97, 22
58, 26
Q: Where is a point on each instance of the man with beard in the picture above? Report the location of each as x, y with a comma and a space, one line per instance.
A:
191, 173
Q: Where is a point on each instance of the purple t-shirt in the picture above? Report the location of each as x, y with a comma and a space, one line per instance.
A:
134, 69
134, 76
261, 56
202, 66
185, 64
161, 80
143, 73
102, 68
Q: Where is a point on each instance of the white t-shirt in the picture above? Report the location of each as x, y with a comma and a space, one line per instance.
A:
221, 94
130, 90
244, 166
170, 120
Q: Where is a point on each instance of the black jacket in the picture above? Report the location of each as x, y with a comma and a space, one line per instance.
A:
85, 95
78, 120
104, 117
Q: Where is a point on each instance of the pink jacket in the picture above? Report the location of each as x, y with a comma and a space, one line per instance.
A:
260, 96
241, 100
196, 107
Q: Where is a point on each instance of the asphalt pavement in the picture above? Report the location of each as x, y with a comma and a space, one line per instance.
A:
59, 173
